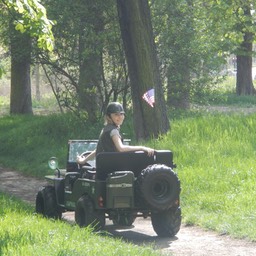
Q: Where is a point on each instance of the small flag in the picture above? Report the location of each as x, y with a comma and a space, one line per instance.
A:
149, 97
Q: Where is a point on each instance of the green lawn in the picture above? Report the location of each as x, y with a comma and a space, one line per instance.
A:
215, 155
23, 233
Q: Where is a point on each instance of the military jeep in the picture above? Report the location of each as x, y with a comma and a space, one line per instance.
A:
117, 186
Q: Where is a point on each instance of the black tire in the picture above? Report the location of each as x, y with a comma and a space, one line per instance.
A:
166, 223
125, 219
46, 203
159, 186
86, 215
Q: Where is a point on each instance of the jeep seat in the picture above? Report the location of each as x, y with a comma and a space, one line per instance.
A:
109, 162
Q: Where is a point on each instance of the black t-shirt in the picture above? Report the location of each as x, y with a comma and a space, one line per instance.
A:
105, 143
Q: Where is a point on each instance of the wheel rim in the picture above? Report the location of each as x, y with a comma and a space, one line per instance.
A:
160, 189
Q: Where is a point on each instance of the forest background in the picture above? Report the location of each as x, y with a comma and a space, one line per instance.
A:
117, 50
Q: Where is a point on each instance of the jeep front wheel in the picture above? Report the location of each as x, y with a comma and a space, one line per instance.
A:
166, 223
46, 203
86, 215
159, 186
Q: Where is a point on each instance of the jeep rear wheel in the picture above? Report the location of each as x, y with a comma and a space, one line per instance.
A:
86, 215
159, 186
166, 223
46, 203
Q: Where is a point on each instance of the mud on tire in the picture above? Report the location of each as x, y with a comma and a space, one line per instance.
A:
46, 203
158, 186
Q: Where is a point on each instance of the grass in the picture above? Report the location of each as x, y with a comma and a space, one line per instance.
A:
224, 94
215, 154
27, 142
24, 233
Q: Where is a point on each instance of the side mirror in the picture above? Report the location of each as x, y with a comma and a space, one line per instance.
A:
53, 163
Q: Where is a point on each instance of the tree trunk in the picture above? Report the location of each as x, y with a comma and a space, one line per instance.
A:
90, 59
137, 35
21, 102
244, 84
89, 81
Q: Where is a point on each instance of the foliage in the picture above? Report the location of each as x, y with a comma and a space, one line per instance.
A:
230, 21
188, 49
234, 22
223, 94
24, 20
33, 20
195, 38
24, 233
87, 68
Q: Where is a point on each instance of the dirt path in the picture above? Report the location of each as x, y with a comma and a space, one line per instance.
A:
190, 241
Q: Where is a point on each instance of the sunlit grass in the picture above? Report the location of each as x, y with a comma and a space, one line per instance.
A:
46, 105
216, 155
224, 94
24, 233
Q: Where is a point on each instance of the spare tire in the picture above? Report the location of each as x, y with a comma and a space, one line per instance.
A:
159, 186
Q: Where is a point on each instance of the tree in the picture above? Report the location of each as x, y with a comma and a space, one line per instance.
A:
21, 102
26, 20
173, 22
89, 63
235, 22
244, 84
187, 50
33, 19
137, 35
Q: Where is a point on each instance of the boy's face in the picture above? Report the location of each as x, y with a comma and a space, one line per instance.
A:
117, 118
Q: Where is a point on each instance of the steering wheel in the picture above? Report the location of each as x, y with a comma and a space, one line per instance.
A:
90, 163
90, 171
86, 153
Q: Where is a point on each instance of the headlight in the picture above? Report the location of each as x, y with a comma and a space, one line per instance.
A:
53, 163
